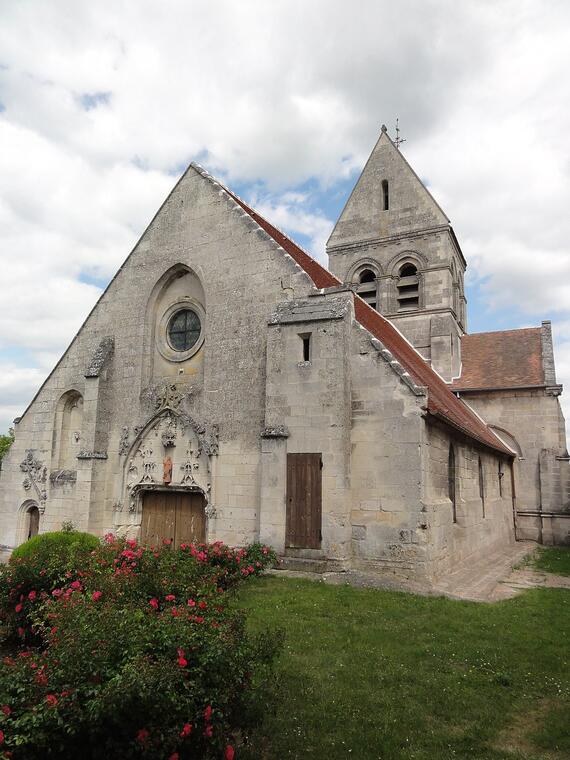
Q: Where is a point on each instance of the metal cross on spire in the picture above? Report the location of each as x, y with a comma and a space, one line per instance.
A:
399, 140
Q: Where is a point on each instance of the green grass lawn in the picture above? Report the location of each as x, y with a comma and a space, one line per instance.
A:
552, 559
376, 674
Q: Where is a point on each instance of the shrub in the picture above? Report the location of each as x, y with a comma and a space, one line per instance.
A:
56, 549
139, 655
39, 565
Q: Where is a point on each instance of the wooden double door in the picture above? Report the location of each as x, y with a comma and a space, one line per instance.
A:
178, 516
304, 501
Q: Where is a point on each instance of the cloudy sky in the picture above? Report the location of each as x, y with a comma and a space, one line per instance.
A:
103, 103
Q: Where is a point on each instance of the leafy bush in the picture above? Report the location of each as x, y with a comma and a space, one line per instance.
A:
39, 565
56, 549
139, 655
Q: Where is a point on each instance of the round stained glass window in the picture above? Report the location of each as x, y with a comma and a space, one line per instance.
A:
184, 329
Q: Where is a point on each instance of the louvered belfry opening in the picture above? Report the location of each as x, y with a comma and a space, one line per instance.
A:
368, 287
408, 288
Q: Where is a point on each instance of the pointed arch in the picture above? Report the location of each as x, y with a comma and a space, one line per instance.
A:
176, 304
67, 430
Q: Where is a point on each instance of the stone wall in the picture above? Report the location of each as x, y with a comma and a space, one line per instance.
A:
243, 274
481, 525
385, 464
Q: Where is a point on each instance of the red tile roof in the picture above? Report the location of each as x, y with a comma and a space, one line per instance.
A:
506, 359
442, 403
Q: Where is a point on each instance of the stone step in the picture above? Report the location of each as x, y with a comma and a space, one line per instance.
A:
303, 564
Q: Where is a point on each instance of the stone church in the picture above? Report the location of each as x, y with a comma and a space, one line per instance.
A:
228, 387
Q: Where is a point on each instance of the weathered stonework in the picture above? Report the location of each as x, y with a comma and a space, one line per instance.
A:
223, 418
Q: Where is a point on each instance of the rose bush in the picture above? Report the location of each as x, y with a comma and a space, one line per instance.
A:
138, 654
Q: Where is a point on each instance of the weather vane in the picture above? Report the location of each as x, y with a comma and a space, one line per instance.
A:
399, 140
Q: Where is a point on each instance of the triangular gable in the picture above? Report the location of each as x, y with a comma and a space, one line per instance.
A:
411, 207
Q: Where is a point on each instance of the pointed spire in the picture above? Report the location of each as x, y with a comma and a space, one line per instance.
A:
388, 200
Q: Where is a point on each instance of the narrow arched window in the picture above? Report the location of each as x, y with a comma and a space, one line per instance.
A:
385, 195
408, 288
69, 422
482, 485
451, 479
33, 522
368, 287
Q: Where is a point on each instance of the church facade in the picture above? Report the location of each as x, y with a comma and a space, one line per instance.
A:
228, 387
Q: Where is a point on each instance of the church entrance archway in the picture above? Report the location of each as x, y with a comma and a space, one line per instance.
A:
175, 516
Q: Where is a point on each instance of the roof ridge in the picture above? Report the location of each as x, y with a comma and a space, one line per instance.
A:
501, 332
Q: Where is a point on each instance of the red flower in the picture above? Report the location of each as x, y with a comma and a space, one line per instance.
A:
186, 730
1, 737
191, 603
182, 661
208, 731
208, 713
19, 607
51, 699
76, 585
96, 595
32, 595
170, 598
229, 753
142, 735
154, 603
202, 605
6, 710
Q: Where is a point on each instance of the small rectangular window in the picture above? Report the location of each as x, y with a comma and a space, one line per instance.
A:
306, 339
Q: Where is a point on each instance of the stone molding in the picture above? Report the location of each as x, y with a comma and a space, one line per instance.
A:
59, 477
36, 476
275, 431
92, 455
98, 360
395, 365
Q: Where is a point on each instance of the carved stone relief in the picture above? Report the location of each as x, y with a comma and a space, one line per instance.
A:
59, 477
124, 445
36, 476
174, 451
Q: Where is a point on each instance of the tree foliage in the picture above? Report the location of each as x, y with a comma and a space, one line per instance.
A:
5, 442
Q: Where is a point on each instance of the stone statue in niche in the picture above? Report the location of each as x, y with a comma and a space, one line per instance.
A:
167, 471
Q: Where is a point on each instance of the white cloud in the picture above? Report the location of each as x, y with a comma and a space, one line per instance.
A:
286, 212
105, 102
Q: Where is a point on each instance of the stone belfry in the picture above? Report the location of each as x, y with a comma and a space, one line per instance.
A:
395, 245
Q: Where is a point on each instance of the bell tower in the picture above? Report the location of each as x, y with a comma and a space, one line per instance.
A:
396, 247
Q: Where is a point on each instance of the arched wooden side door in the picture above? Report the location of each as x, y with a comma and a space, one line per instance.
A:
175, 516
33, 522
